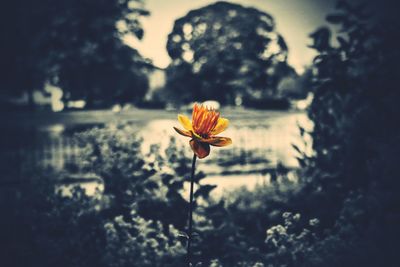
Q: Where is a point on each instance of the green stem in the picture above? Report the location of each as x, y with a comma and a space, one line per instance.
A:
189, 248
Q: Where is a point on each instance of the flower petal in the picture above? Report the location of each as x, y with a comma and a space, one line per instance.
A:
222, 124
201, 150
183, 132
218, 141
185, 121
196, 136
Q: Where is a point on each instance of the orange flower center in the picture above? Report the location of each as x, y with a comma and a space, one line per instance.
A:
204, 120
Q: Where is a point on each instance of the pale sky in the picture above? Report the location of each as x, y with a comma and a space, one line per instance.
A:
295, 20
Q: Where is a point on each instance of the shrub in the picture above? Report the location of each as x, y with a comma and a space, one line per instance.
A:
42, 227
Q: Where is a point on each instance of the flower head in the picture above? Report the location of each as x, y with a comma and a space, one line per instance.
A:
205, 125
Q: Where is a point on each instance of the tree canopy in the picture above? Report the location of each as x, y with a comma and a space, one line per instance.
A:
225, 51
74, 44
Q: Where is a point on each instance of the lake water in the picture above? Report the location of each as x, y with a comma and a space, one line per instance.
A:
261, 140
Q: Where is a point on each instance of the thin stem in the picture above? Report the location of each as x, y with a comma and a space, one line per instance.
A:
189, 251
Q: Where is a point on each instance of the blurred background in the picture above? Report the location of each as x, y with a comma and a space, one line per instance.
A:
93, 174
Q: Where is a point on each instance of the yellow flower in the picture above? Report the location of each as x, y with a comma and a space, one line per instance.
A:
205, 125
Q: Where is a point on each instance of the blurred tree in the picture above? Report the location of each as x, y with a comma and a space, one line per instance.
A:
75, 44
21, 70
225, 51
355, 106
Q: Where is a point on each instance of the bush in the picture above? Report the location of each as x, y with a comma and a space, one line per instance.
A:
42, 227
351, 182
354, 106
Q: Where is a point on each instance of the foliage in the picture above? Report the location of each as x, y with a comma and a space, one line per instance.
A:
41, 228
114, 154
355, 104
288, 243
232, 229
76, 45
225, 51
355, 239
155, 249
46, 228
350, 183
